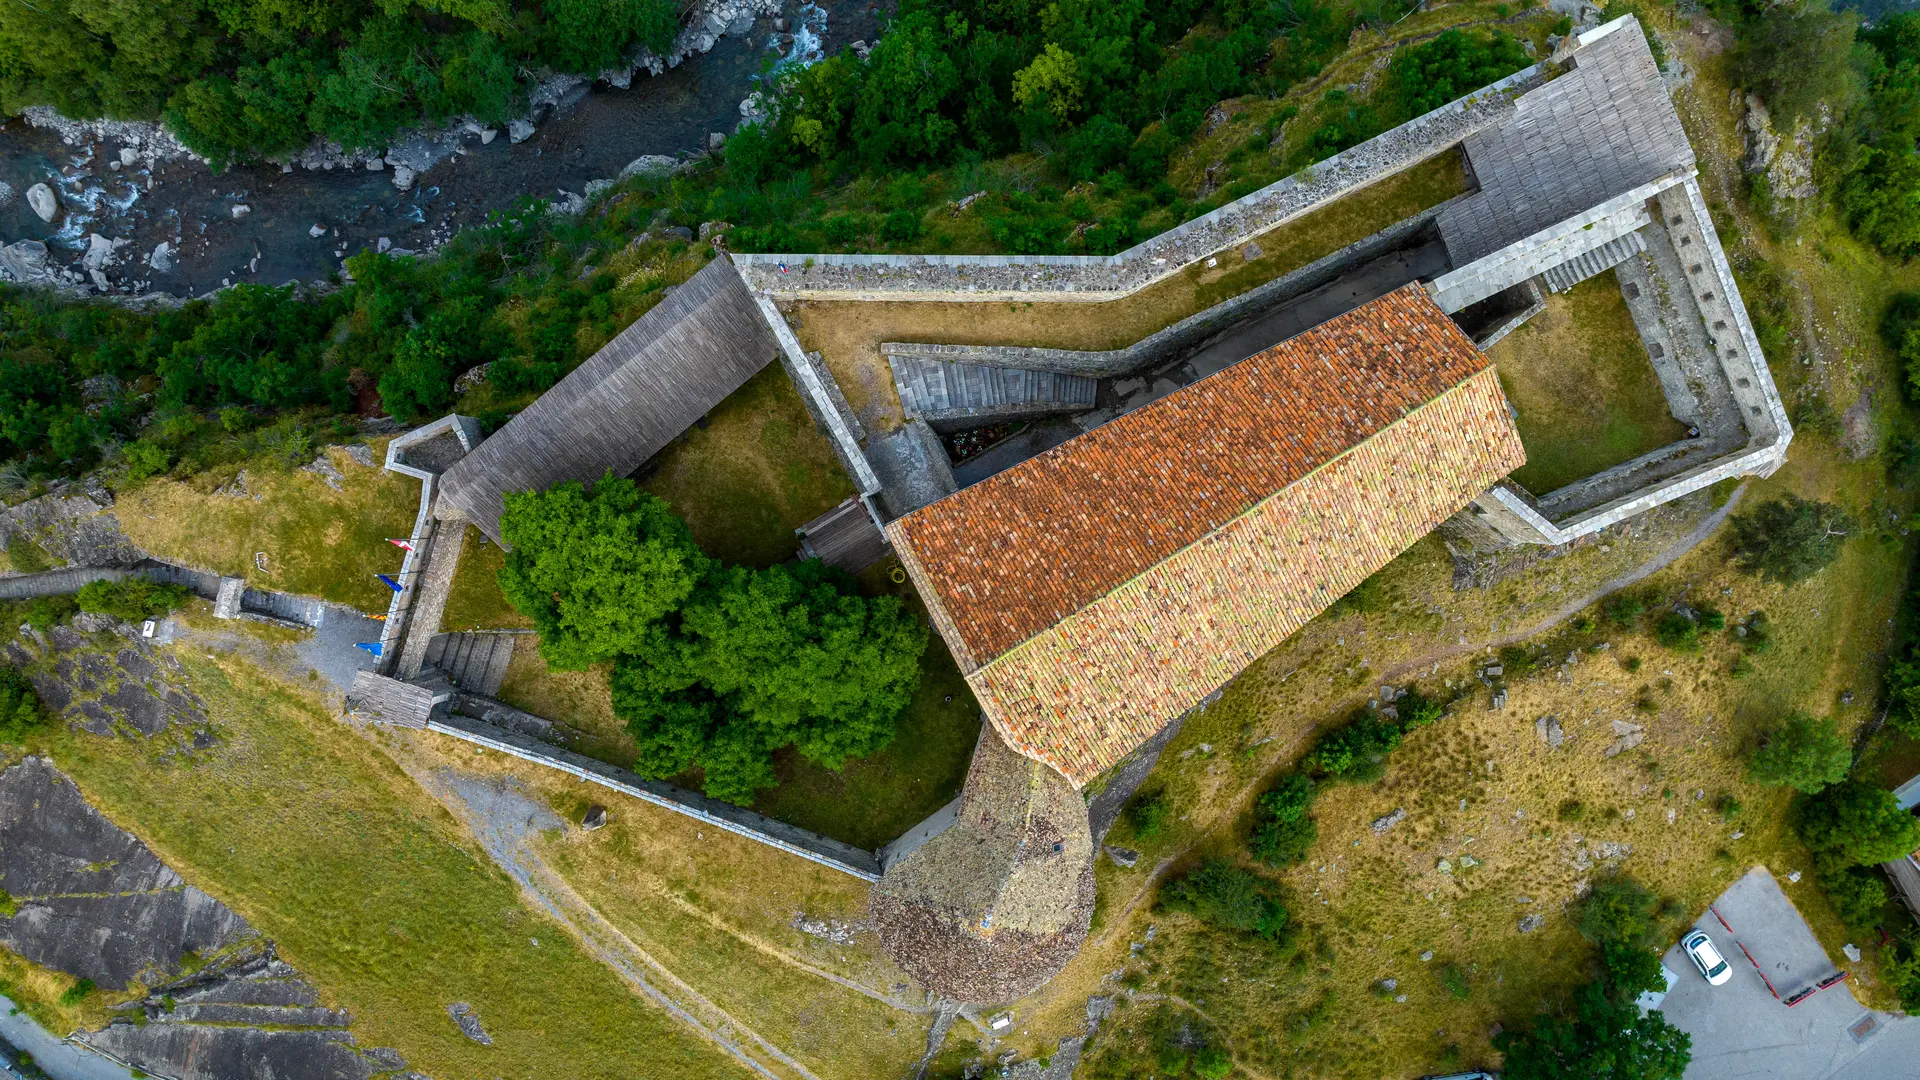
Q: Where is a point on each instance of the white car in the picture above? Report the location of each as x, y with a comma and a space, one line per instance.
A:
1713, 967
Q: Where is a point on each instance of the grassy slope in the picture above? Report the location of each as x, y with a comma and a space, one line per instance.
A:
318, 541
1586, 394
1367, 911
373, 892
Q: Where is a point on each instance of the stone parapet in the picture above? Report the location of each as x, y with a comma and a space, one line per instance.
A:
1107, 277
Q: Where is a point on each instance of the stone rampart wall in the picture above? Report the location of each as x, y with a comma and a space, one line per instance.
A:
1107, 277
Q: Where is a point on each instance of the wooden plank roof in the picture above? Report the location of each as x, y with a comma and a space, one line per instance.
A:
616, 410
1095, 591
1596, 132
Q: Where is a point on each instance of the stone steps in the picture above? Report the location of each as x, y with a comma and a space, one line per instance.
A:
1598, 261
475, 661
954, 395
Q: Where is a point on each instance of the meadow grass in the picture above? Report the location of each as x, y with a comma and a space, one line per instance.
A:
311, 539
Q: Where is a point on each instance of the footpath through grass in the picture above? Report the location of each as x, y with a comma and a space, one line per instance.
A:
373, 892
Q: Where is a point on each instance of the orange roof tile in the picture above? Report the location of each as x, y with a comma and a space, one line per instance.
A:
1095, 591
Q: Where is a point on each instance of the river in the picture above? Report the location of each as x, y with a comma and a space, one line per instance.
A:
590, 136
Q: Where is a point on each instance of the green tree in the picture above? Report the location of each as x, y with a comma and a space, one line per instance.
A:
596, 571
713, 668
1606, 1037
1797, 56
20, 710
1282, 830
1802, 753
1789, 539
1853, 823
765, 659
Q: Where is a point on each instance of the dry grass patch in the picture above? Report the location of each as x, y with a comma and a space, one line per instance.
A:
475, 602
316, 541
1586, 393
848, 333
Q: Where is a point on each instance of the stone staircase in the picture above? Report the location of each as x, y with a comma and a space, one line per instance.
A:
475, 661
1599, 260
951, 396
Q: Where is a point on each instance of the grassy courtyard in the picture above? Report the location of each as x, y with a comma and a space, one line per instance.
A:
1586, 394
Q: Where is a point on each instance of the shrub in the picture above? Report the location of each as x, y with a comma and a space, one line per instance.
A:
1617, 911
1282, 830
1455, 982
1802, 753
1624, 609
1677, 632
1516, 661
1417, 710
1356, 750
1758, 638
75, 994
8, 906
1857, 895
1212, 1063
1147, 814
1572, 810
144, 459
20, 710
1789, 539
132, 599
1229, 897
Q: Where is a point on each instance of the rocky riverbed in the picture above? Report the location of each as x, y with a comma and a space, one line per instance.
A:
133, 213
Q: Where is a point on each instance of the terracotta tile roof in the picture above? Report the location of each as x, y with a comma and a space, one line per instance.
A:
1093, 592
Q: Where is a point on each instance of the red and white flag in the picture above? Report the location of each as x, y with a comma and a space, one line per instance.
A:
404, 545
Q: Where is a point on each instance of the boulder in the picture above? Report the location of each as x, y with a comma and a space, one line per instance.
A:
403, 177
162, 257
241, 210
518, 131
650, 165
42, 199
24, 262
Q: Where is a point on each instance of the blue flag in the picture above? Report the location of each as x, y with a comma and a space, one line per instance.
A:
371, 646
389, 582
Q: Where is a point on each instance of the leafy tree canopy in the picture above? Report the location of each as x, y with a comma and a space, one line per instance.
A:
1230, 897
1798, 56
20, 710
1607, 1037
596, 571
714, 667
1856, 823
132, 599
1802, 753
1789, 539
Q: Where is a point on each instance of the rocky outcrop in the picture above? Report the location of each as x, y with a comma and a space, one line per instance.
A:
74, 526
94, 902
129, 689
91, 900
1785, 161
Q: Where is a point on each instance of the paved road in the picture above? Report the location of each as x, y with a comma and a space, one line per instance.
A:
58, 1059
1741, 1033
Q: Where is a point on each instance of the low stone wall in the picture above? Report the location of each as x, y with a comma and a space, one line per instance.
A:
1189, 333
1106, 277
791, 839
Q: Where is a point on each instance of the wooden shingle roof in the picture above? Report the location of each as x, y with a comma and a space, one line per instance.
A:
1095, 591
625, 402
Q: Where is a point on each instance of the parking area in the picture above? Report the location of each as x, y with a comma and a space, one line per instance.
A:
1742, 1032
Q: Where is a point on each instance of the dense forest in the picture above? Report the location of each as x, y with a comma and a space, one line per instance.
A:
1068, 115
251, 78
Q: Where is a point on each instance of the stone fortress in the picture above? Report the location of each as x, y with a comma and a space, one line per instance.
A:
1171, 509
